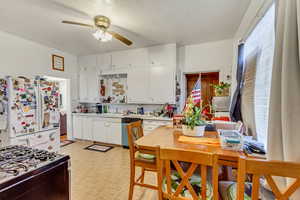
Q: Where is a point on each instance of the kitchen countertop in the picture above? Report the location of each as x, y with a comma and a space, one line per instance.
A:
117, 115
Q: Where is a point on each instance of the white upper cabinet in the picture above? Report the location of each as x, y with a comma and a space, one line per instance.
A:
162, 55
88, 85
83, 85
150, 73
87, 61
120, 59
134, 57
162, 84
138, 85
139, 57
104, 61
88, 79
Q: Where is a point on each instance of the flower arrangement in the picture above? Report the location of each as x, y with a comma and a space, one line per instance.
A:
222, 89
192, 114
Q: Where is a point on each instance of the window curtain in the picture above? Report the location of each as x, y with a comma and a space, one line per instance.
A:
235, 107
284, 108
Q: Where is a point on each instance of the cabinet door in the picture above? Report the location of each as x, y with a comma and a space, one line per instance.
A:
138, 85
83, 85
104, 61
99, 130
162, 55
138, 57
92, 85
162, 84
88, 85
120, 59
87, 128
115, 133
77, 127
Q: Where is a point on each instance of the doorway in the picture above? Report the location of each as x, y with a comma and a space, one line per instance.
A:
208, 79
65, 106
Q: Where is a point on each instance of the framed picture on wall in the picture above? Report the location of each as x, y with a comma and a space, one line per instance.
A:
58, 63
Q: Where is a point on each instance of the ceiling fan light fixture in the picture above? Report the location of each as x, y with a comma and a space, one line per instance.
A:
102, 36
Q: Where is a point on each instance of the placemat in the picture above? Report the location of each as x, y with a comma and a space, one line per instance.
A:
199, 140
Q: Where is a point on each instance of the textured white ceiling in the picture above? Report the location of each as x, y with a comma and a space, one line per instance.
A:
145, 22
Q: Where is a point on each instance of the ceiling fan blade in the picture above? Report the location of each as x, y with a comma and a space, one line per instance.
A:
120, 37
77, 23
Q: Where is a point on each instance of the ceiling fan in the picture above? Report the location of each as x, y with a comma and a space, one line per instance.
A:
101, 26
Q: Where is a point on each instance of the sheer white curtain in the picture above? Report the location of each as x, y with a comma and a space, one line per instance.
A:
284, 111
259, 51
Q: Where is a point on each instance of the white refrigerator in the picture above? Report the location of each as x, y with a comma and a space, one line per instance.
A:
33, 112
22, 106
3, 104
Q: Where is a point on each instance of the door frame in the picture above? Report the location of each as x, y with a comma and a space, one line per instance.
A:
184, 84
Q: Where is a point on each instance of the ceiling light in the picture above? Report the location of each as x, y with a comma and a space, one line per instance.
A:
102, 35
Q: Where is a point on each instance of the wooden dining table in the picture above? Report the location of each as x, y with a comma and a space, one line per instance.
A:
168, 137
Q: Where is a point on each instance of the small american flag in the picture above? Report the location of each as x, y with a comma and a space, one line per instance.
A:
196, 92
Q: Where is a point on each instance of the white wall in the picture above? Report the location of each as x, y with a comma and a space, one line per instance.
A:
23, 57
216, 56
207, 57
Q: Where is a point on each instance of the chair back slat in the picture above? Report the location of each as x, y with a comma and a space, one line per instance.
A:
134, 132
199, 160
186, 156
267, 169
277, 168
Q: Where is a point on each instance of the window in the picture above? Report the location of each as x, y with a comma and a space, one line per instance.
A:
262, 38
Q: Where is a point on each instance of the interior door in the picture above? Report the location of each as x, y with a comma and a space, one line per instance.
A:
207, 81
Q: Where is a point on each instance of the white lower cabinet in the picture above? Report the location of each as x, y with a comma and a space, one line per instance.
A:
77, 126
150, 125
114, 134
87, 131
98, 129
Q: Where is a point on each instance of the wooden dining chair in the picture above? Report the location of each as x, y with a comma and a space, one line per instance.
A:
180, 184
145, 159
267, 169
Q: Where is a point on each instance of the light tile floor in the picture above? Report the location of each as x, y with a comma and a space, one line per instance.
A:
103, 176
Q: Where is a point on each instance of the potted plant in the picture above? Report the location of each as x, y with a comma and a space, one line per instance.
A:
222, 89
193, 125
